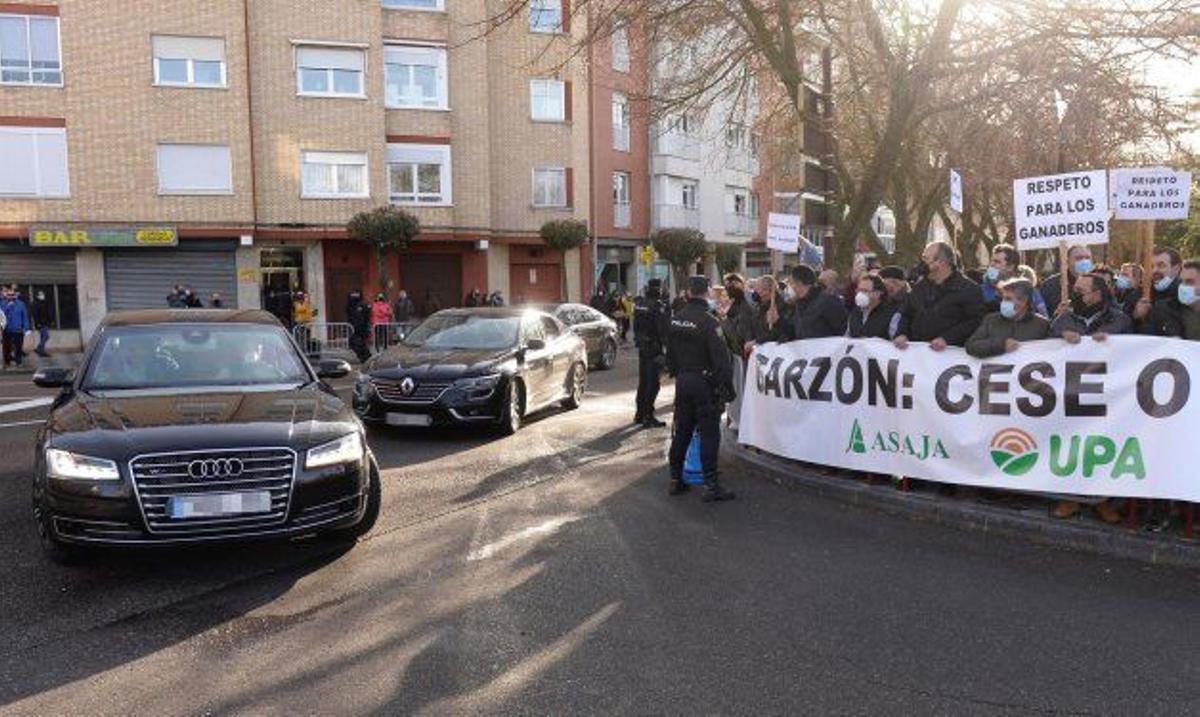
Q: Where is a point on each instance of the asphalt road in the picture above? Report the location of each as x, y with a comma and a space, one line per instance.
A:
549, 573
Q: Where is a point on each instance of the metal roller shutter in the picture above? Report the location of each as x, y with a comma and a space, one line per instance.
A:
44, 266
142, 278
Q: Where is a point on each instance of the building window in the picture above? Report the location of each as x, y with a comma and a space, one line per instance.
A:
29, 50
35, 162
550, 187
333, 175
415, 77
419, 174
545, 15
189, 61
620, 48
620, 121
689, 193
195, 169
742, 202
415, 4
736, 136
621, 213
548, 100
330, 71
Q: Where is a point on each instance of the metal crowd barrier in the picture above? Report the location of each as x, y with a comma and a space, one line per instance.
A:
387, 335
318, 337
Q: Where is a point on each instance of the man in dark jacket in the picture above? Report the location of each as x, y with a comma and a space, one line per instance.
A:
473, 299
650, 327
43, 318
1178, 316
739, 327
358, 314
1093, 313
817, 314
1015, 322
774, 312
1079, 262
874, 317
405, 310
944, 308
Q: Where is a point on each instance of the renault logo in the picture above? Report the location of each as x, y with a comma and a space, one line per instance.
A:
407, 386
216, 468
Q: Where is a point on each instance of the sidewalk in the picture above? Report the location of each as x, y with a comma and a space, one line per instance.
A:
966, 513
64, 359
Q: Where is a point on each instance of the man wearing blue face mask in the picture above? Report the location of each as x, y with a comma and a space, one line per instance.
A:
1015, 323
1178, 316
1164, 281
1003, 266
1079, 262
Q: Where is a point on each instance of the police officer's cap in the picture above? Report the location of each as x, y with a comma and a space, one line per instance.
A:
697, 285
654, 283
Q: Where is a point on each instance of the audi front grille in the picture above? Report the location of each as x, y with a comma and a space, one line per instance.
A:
409, 391
158, 477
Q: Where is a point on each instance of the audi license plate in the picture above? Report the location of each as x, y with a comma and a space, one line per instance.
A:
409, 419
216, 505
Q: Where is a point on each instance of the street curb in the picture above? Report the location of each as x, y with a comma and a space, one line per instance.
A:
1033, 526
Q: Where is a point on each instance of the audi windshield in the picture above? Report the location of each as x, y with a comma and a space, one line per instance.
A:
457, 332
194, 356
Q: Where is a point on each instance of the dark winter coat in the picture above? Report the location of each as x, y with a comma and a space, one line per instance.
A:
951, 310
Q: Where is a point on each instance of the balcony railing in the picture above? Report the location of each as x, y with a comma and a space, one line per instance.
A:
675, 216
741, 225
677, 144
621, 218
621, 138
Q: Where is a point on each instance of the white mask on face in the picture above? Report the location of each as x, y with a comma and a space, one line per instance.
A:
862, 299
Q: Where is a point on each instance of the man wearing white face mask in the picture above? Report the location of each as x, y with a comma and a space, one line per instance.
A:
874, 317
1003, 266
1168, 266
1015, 323
1178, 316
1079, 262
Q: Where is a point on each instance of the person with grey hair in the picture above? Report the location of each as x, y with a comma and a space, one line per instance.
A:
944, 307
1016, 322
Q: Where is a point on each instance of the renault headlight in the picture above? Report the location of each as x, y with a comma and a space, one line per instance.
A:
347, 449
479, 383
72, 466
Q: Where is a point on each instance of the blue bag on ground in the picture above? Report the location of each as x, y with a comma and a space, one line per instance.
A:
693, 470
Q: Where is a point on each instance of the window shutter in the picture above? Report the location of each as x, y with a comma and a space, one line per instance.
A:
567, 101
566, 16
569, 179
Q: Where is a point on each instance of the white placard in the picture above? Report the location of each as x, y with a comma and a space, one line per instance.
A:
1149, 193
1071, 208
956, 192
783, 232
1112, 418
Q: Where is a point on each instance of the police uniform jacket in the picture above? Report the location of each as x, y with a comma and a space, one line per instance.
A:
650, 325
695, 345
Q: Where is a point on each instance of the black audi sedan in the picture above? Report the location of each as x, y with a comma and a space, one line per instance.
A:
598, 332
485, 366
198, 426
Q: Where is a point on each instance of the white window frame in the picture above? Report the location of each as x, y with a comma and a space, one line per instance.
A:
441, 66
29, 46
536, 7
547, 83
37, 164
621, 122
439, 6
620, 47
227, 190
694, 186
562, 172
314, 153
445, 199
617, 177
190, 82
329, 94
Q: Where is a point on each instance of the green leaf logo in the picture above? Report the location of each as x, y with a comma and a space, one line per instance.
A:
1014, 451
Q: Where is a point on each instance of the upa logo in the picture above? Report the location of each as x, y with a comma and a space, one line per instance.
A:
1014, 451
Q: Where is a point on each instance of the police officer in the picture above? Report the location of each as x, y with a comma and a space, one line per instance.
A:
650, 318
699, 361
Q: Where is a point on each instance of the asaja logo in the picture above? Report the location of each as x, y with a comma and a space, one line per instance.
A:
1014, 451
920, 446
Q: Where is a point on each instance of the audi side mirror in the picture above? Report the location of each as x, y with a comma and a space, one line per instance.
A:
535, 345
52, 377
333, 368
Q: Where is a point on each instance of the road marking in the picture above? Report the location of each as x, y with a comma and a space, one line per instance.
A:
26, 405
21, 423
547, 528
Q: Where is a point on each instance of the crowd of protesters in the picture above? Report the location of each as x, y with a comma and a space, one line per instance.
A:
987, 312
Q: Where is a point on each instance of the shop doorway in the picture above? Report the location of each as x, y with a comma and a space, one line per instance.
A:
433, 281
535, 283
281, 274
338, 285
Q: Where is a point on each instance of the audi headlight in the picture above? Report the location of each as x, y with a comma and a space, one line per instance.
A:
347, 449
479, 383
72, 466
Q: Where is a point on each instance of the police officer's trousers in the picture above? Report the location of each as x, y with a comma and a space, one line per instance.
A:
647, 390
695, 408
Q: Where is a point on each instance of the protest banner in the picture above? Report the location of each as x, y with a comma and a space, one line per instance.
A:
783, 232
1061, 209
956, 191
1150, 193
1111, 418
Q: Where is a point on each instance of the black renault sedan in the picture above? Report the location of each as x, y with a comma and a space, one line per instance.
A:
198, 426
474, 367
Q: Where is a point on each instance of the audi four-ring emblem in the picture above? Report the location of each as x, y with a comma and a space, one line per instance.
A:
216, 468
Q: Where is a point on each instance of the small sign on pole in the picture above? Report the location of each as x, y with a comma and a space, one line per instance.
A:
1058, 209
956, 191
783, 232
1150, 193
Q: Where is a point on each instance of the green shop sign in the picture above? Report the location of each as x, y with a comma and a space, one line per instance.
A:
103, 237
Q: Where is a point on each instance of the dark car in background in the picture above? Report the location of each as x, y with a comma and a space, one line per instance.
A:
198, 426
479, 366
599, 332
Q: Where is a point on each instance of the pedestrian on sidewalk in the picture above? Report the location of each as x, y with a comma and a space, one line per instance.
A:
16, 324
739, 327
358, 314
381, 318
42, 319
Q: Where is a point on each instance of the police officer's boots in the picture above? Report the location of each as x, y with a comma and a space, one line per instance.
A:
678, 487
713, 492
